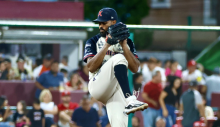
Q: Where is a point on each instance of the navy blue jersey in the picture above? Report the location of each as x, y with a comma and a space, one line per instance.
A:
94, 45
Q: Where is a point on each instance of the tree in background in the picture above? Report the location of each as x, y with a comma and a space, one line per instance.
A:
129, 11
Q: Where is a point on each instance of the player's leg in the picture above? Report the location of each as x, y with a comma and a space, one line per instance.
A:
103, 85
122, 78
115, 107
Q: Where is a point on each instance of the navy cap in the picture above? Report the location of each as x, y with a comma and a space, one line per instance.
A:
106, 14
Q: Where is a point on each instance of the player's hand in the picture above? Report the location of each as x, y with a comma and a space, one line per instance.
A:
123, 43
165, 113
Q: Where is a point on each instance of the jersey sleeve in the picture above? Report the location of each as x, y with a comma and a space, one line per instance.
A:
90, 49
132, 47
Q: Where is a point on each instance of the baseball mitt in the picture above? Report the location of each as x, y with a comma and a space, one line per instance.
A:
118, 32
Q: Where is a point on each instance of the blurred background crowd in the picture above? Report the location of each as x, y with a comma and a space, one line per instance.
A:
44, 81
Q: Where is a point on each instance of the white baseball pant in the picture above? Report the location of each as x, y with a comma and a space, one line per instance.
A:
105, 88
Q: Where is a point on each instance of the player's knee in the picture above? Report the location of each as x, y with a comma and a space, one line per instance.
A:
120, 59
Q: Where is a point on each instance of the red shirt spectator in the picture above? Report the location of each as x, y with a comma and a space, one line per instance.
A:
72, 106
153, 90
66, 109
67, 105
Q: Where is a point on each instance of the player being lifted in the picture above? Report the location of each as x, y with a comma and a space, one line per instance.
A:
108, 55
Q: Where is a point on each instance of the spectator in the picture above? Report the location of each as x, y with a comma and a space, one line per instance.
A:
159, 63
44, 67
49, 80
167, 64
5, 113
11, 71
98, 106
84, 73
3, 71
213, 84
201, 68
168, 99
49, 108
65, 75
19, 117
21, 73
151, 93
75, 83
192, 73
147, 68
217, 122
137, 81
64, 64
135, 121
208, 110
66, 109
36, 115
191, 105
86, 116
173, 70
160, 122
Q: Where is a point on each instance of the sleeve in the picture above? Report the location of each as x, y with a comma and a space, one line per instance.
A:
147, 88
90, 49
198, 97
42, 114
167, 89
74, 117
40, 79
96, 116
132, 47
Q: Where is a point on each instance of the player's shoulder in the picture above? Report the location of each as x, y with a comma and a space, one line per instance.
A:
93, 39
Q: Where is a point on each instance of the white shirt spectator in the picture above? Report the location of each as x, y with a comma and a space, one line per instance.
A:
47, 106
147, 76
213, 85
196, 75
162, 72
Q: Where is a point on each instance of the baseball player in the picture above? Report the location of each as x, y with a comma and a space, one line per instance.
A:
108, 55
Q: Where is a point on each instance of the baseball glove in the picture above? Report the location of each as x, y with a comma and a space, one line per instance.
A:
118, 32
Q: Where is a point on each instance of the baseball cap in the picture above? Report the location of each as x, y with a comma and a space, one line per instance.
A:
106, 14
48, 56
65, 93
193, 83
191, 63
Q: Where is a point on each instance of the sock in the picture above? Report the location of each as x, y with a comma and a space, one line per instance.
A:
121, 75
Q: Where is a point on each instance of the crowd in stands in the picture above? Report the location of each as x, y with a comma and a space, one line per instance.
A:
161, 87
162, 90
49, 74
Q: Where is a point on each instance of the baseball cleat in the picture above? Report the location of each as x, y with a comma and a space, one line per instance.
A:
134, 106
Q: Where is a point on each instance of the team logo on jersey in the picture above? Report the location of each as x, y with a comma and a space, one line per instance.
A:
100, 44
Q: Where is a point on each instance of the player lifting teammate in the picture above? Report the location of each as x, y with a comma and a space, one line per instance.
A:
108, 55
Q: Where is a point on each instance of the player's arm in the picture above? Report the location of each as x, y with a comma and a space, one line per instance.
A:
133, 62
94, 63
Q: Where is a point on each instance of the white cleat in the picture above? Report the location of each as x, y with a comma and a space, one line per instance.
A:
134, 105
